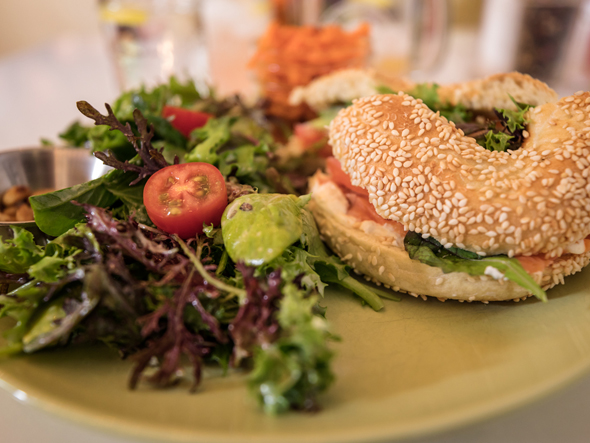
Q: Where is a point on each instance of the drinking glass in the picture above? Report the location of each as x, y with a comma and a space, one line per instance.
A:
407, 36
547, 39
233, 28
545, 34
150, 40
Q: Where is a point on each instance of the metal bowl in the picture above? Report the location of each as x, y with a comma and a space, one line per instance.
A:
42, 168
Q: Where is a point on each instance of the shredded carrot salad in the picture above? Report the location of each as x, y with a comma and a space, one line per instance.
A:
289, 56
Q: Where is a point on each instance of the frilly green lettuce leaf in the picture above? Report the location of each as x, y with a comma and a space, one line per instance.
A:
497, 141
209, 138
430, 252
515, 119
49, 269
20, 252
293, 370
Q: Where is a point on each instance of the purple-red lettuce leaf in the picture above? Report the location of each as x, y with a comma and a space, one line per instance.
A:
255, 323
152, 160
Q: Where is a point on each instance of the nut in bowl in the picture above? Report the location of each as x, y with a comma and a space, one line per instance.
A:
30, 171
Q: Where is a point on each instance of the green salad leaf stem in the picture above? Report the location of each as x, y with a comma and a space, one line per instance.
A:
194, 258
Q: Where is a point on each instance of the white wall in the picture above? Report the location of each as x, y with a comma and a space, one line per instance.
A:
27, 23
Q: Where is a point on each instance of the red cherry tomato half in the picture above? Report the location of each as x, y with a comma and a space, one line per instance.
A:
185, 120
339, 177
180, 198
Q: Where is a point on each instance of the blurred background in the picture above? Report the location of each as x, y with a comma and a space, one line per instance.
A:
549, 39
62, 51
27, 23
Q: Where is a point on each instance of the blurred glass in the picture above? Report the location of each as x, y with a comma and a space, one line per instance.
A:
407, 36
233, 28
547, 39
545, 32
150, 40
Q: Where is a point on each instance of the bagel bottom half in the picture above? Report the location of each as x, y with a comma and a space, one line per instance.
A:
382, 262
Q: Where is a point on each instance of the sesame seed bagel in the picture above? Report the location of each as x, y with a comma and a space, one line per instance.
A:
343, 86
495, 91
482, 94
423, 172
382, 259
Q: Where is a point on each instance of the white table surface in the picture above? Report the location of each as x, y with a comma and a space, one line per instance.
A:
38, 91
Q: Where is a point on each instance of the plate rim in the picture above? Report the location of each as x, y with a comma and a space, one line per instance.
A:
448, 421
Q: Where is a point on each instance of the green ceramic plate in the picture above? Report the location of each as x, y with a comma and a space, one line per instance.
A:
415, 368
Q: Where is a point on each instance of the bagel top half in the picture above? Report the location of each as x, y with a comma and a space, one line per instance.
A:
423, 172
487, 93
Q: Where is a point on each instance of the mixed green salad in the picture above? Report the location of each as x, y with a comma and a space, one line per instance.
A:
196, 248
126, 264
